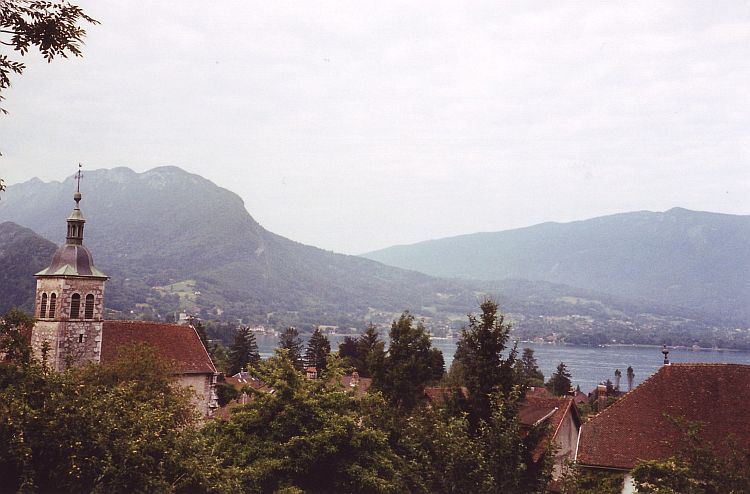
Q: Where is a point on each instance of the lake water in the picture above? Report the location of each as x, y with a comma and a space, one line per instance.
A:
588, 365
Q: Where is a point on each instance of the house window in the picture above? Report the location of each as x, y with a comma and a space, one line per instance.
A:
52, 305
43, 308
80, 338
89, 310
75, 306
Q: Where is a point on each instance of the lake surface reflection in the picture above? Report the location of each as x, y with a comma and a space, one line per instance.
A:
588, 365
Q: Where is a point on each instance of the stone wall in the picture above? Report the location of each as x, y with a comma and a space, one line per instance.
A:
203, 387
71, 341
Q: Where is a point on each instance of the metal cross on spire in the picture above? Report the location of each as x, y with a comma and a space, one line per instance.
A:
78, 177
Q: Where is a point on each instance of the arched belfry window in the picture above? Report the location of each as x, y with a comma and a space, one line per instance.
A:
52, 305
75, 306
89, 310
43, 308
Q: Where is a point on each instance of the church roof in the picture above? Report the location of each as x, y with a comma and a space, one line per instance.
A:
176, 342
72, 260
638, 427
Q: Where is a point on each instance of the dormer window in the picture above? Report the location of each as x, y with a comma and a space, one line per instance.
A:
43, 308
88, 312
75, 306
52, 305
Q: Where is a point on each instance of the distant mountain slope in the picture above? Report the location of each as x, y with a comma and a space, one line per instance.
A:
686, 258
171, 240
22, 253
166, 225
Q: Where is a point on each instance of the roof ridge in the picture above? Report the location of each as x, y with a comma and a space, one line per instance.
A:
205, 350
619, 403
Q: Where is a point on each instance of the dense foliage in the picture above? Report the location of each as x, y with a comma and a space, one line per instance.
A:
409, 364
485, 367
123, 427
243, 353
697, 467
318, 350
559, 383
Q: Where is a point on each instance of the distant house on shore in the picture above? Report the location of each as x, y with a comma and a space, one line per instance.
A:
639, 426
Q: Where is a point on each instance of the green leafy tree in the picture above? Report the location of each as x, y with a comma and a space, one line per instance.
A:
698, 467
244, 351
485, 368
292, 343
15, 327
307, 436
201, 330
363, 352
220, 357
527, 369
51, 26
318, 350
119, 427
441, 456
560, 383
408, 365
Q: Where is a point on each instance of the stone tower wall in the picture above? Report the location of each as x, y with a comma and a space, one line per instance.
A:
71, 341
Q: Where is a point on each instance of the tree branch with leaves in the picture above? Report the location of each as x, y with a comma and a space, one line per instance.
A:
54, 27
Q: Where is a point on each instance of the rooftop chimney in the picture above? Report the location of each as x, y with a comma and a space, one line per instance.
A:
666, 354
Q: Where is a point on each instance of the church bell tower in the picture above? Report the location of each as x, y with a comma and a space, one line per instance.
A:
69, 301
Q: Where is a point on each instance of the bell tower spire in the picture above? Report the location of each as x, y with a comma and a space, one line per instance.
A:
69, 300
76, 220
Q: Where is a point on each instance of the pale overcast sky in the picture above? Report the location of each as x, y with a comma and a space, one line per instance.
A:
357, 125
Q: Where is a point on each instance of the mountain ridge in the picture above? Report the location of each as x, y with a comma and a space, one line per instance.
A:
679, 257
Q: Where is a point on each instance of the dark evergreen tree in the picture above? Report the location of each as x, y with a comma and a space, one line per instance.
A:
349, 352
480, 354
528, 369
201, 330
371, 349
290, 341
243, 353
631, 376
318, 349
618, 375
560, 384
360, 353
402, 372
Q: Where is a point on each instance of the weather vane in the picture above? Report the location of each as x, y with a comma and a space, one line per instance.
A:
78, 177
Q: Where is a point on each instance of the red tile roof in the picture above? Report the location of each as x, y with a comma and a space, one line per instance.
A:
359, 385
176, 342
437, 394
252, 382
551, 411
637, 428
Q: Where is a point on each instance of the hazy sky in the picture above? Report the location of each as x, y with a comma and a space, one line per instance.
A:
357, 125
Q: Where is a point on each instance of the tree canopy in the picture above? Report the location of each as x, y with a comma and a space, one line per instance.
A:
292, 343
480, 352
244, 350
408, 365
559, 383
318, 350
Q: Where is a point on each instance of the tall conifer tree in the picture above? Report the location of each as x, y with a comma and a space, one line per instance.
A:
290, 341
318, 349
480, 352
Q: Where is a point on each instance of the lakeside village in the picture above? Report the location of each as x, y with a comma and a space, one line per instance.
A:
89, 404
